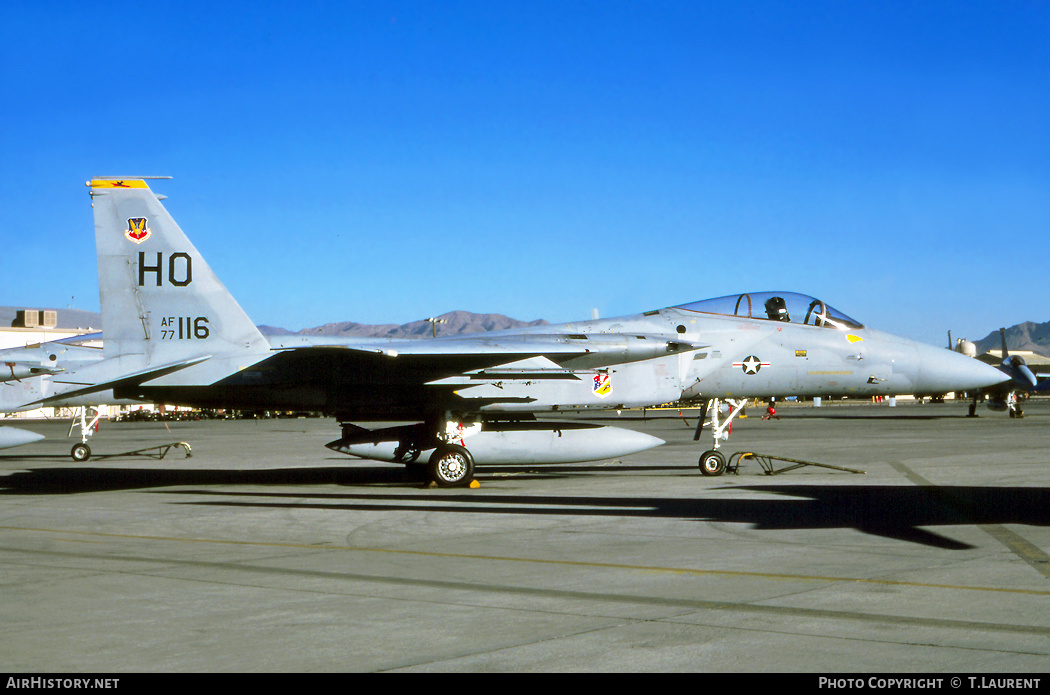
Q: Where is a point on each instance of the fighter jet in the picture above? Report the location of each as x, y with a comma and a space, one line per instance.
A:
175, 335
1007, 395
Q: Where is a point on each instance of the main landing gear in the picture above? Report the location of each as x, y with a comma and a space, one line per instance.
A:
450, 463
713, 462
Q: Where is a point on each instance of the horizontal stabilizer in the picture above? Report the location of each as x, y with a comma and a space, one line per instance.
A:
126, 380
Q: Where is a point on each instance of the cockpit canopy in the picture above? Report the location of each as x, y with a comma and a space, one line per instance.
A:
776, 306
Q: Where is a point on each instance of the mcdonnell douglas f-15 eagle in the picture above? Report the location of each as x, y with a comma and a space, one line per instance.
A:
173, 334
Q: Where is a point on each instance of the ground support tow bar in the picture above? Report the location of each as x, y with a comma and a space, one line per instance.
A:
766, 461
159, 451
82, 452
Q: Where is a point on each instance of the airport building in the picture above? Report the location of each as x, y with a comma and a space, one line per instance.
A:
22, 327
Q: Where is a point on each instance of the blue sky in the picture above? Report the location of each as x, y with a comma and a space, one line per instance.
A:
386, 161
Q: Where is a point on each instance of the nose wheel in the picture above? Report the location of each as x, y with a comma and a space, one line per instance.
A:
82, 452
712, 463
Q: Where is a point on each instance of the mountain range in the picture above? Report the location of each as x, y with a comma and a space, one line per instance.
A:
452, 323
1034, 337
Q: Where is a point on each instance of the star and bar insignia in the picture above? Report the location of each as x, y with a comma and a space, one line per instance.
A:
751, 364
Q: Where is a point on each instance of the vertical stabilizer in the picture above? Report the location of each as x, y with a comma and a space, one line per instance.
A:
160, 300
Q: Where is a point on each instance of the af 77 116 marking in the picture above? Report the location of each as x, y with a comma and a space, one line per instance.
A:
184, 328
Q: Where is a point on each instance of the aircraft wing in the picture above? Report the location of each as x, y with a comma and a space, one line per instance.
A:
610, 348
460, 361
372, 377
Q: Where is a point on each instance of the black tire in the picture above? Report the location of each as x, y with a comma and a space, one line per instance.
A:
712, 463
80, 452
451, 466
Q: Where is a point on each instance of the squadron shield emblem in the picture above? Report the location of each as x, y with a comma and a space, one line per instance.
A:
602, 385
137, 230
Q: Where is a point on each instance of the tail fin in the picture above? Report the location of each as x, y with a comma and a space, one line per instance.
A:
159, 297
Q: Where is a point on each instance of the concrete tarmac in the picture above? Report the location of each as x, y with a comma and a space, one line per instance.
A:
266, 552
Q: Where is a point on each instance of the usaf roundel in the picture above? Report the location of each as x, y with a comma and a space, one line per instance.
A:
751, 364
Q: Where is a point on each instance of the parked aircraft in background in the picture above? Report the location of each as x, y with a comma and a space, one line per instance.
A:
27, 375
52, 357
1007, 395
174, 335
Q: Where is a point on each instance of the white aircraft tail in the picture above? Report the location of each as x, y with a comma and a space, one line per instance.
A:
160, 300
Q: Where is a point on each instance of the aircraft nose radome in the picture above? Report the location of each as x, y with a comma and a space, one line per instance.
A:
1028, 379
944, 370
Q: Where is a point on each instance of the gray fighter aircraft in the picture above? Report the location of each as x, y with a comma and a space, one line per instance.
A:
52, 357
174, 334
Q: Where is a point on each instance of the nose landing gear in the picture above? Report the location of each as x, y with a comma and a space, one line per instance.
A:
712, 462
81, 451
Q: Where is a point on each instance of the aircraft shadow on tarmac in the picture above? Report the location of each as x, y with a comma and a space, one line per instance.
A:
897, 512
